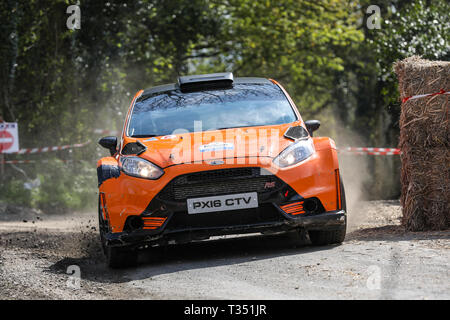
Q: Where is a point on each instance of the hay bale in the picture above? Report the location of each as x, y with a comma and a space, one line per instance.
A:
425, 144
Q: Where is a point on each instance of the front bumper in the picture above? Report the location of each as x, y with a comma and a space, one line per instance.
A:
330, 220
127, 196
284, 203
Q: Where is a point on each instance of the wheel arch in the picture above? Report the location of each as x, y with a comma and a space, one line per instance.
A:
107, 168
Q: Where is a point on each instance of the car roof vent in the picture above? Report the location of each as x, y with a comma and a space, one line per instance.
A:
206, 82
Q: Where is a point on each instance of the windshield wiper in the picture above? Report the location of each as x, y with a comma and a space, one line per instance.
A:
145, 135
225, 128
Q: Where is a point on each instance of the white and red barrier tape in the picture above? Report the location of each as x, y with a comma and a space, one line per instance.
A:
350, 150
353, 150
442, 91
34, 161
49, 149
371, 151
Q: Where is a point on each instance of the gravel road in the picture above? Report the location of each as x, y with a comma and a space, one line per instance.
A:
378, 260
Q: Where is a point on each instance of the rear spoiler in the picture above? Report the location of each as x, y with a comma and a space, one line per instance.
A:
206, 82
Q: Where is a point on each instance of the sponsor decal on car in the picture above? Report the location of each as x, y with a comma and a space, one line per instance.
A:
216, 146
168, 137
269, 185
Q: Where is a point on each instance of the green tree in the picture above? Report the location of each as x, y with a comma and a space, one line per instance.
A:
60, 84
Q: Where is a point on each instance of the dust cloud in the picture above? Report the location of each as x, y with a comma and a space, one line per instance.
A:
355, 173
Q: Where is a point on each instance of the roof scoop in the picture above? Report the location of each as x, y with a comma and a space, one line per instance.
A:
213, 81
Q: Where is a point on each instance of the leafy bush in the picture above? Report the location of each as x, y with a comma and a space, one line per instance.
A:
61, 186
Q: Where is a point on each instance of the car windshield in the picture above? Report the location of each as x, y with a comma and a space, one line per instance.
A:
244, 105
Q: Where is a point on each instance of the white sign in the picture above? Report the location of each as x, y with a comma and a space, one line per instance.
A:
9, 137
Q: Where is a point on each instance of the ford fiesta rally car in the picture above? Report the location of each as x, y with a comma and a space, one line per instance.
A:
216, 155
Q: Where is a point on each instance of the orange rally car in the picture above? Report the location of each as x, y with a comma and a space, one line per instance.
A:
216, 155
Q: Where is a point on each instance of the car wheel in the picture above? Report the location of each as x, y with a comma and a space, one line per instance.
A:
102, 226
117, 258
322, 237
344, 201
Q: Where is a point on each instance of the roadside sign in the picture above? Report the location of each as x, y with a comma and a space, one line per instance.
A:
9, 137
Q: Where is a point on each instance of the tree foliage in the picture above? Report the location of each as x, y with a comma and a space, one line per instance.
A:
60, 84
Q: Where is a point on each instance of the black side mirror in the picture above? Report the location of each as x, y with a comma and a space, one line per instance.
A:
312, 125
109, 143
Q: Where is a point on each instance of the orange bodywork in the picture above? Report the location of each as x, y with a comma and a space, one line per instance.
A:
124, 195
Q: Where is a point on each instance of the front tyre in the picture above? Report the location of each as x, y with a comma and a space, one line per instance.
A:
324, 237
116, 257
102, 225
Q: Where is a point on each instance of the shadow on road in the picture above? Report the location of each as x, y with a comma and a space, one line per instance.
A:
221, 252
195, 255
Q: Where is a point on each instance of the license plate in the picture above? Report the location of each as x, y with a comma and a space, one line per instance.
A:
223, 203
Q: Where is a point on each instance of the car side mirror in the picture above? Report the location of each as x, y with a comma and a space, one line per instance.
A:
312, 125
109, 143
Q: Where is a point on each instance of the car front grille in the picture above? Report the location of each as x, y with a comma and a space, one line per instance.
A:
219, 182
266, 213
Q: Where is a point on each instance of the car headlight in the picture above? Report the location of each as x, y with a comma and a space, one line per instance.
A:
138, 167
296, 152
